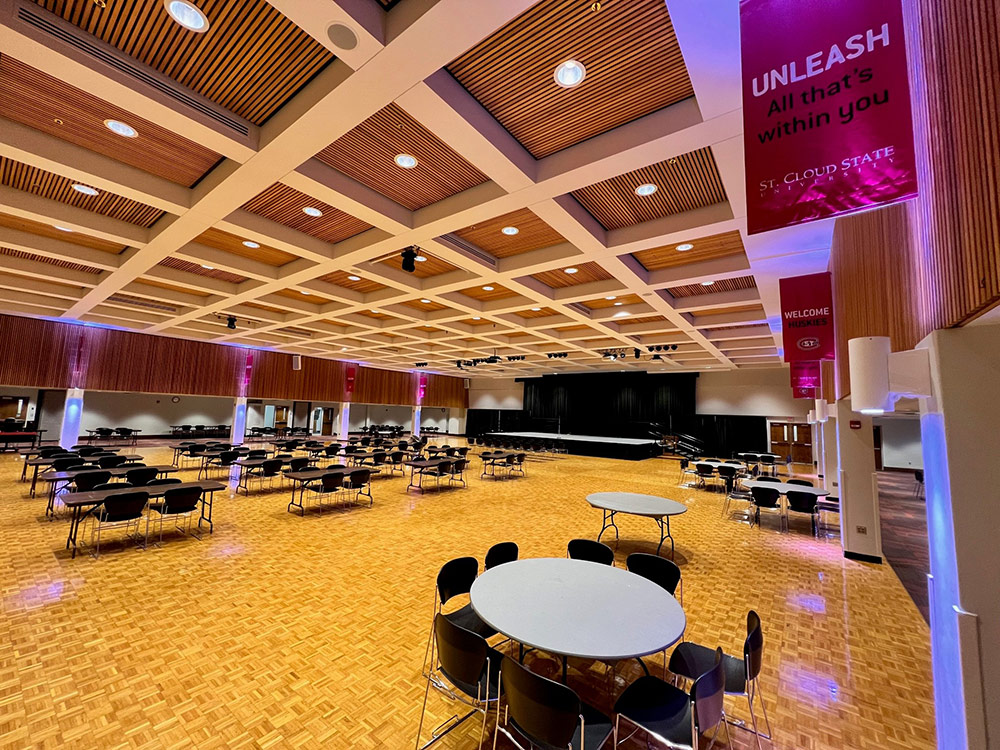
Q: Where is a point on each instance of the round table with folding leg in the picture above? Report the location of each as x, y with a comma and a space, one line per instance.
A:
660, 509
578, 608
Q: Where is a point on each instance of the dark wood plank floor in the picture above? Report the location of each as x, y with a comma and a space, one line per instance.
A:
904, 533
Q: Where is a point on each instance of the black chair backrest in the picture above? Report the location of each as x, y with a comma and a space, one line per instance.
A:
461, 652
765, 497
360, 477
227, 457
85, 481
544, 711
165, 480
767, 460
141, 476
62, 464
196, 450
802, 482
708, 693
125, 507
181, 500
332, 481
588, 549
331, 450
501, 553
396, 457
298, 464
89, 450
459, 466
659, 570
801, 502
257, 454
111, 462
271, 467
752, 457
704, 469
49, 450
456, 577
753, 646
727, 472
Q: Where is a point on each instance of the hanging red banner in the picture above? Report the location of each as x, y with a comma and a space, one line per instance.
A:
827, 128
806, 379
807, 317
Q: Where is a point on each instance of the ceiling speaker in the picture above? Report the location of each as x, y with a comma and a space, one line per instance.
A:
296, 361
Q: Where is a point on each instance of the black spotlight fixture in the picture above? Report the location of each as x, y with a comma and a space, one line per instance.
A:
231, 323
409, 259
657, 358
458, 364
673, 348
635, 353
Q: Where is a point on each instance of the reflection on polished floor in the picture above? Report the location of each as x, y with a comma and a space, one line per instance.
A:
287, 632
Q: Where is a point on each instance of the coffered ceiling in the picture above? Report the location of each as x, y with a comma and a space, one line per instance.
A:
274, 167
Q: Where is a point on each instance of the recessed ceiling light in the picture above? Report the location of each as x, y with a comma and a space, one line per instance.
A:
611, 297
343, 348
571, 270
187, 15
251, 244
569, 74
354, 278
536, 309
62, 229
685, 247
306, 293
312, 211
405, 161
421, 259
510, 231
647, 188
621, 314
477, 318
377, 312
120, 128
707, 283
208, 268
85, 189
487, 289
619, 304
426, 301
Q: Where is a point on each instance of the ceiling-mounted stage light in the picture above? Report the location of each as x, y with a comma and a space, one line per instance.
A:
409, 260
673, 347
657, 358
231, 323
635, 353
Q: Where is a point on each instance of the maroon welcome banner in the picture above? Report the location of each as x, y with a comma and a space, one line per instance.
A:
806, 379
826, 109
807, 317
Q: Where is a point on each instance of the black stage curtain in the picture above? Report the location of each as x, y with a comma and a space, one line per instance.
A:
725, 435
616, 404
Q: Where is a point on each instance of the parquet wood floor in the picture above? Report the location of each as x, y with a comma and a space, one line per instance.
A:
287, 632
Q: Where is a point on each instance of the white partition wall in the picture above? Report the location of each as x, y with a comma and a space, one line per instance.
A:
153, 413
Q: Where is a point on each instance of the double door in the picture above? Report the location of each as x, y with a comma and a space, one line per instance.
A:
792, 439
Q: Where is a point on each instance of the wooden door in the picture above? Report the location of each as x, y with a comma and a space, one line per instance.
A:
801, 443
329, 417
780, 442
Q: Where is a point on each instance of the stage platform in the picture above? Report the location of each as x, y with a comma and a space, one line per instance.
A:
632, 449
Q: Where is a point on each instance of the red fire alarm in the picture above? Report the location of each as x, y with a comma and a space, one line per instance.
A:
855, 424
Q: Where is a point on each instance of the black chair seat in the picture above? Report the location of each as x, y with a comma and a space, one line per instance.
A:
467, 618
658, 707
691, 660
105, 517
479, 691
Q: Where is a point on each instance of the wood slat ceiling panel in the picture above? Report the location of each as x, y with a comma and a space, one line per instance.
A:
571, 329
32, 98
312, 298
431, 306
367, 154
172, 287
232, 244
375, 315
542, 312
199, 270
533, 234
683, 183
363, 285
47, 230
477, 323
13, 280
586, 273
725, 311
603, 303
284, 205
48, 261
433, 266
47, 185
722, 285
637, 321
251, 60
759, 329
714, 247
627, 46
483, 295
267, 308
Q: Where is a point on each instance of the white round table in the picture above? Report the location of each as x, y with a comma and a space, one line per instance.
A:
660, 509
578, 608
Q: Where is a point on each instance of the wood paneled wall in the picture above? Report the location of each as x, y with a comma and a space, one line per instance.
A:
933, 262
40, 354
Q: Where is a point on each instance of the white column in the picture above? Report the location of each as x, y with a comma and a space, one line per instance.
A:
237, 433
859, 517
415, 422
69, 430
345, 420
961, 444
831, 469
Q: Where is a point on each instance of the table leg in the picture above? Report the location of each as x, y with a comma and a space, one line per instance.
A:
665, 536
34, 480
24, 469
207, 502
608, 523
74, 527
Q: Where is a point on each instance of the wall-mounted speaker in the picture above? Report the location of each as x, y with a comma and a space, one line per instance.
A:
466, 381
296, 361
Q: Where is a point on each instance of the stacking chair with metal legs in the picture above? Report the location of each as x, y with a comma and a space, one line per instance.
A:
801, 502
672, 717
742, 676
329, 485
548, 714
465, 669
766, 498
180, 503
360, 482
118, 511
500, 553
588, 549
457, 473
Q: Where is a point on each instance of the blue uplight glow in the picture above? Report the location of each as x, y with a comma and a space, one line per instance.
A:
946, 659
239, 422
70, 432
